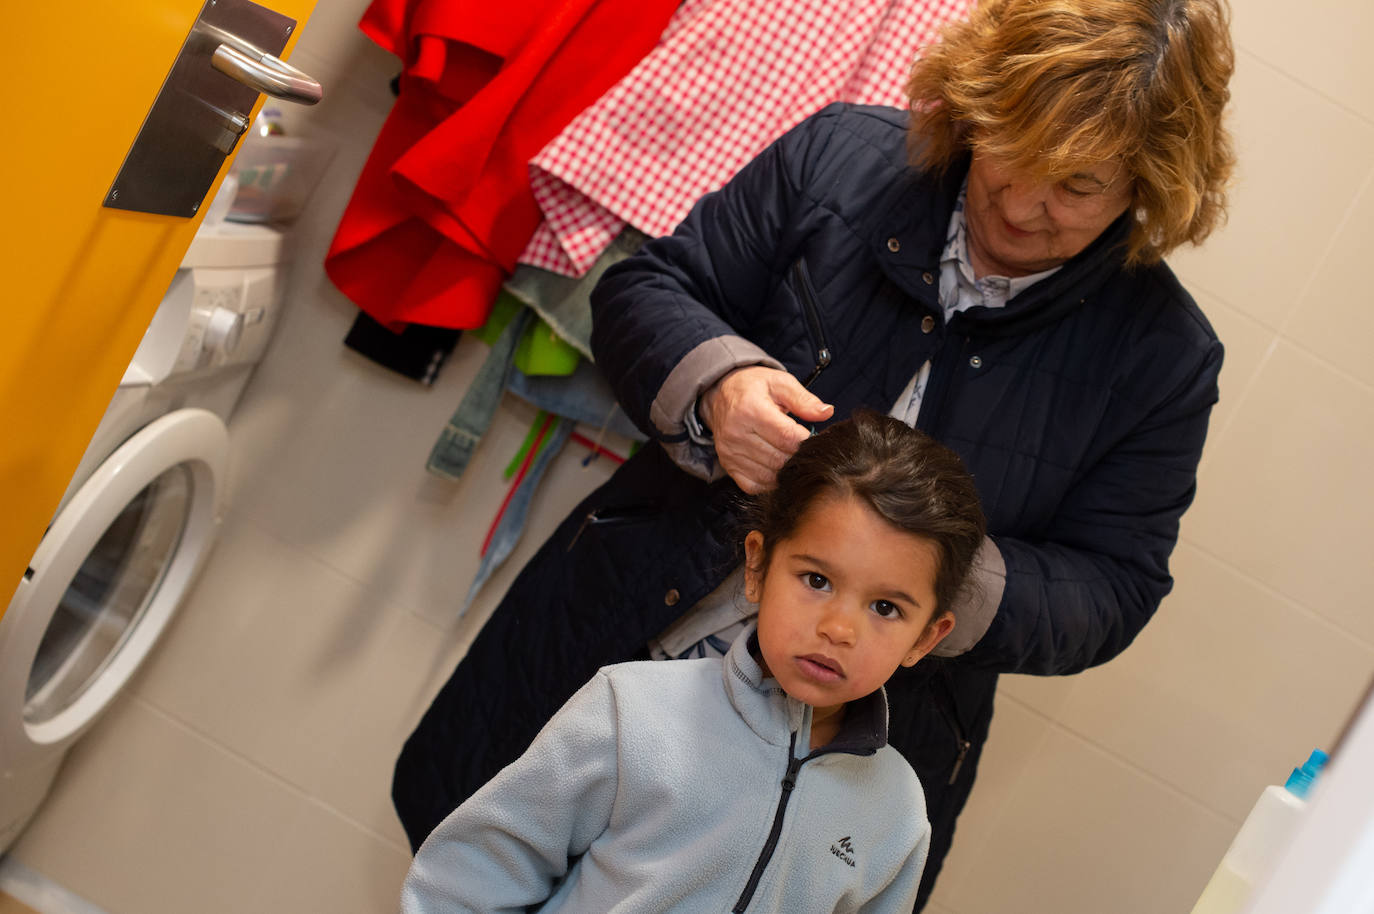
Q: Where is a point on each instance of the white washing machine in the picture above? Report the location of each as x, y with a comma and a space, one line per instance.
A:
138, 519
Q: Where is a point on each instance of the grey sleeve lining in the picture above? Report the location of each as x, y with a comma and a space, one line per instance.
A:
703, 366
977, 605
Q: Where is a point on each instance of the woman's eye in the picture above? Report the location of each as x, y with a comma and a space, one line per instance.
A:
816, 581
885, 609
1074, 190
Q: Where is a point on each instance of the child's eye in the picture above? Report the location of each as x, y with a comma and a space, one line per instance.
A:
816, 581
886, 610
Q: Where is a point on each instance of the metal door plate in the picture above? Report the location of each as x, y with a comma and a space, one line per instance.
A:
198, 116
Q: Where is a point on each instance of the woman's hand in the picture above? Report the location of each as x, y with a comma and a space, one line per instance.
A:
747, 413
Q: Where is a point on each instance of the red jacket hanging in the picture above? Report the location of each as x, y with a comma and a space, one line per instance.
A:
443, 206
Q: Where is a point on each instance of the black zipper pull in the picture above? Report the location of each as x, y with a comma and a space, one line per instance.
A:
822, 360
789, 780
591, 515
964, 746
811, 312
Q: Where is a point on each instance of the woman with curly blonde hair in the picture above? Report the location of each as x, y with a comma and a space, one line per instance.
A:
986, 266
1056, 91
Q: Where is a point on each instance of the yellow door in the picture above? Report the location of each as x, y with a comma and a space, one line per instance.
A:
80, 281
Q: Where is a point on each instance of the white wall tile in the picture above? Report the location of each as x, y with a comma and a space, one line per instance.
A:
1017, 734
1286, 496
348, 484
1325, 43
300, 670
1045, 694
336, 869
1247, 344
1301, 159
1335, 318
150, 818
1225, 691
1085, 834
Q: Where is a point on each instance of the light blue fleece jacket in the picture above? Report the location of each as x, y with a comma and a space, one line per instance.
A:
660, 786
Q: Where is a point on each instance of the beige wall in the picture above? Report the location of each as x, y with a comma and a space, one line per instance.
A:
248, 767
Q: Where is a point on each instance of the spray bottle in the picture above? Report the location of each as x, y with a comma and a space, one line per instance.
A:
1261, 838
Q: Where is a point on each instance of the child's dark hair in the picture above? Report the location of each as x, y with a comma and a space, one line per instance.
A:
911, 480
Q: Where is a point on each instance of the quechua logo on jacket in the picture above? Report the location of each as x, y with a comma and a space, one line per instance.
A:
844, 849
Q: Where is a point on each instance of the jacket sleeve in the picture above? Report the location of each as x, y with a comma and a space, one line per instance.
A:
1078, 593
506, 847
670, 321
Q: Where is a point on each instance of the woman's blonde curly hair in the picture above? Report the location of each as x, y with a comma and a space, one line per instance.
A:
1052, 86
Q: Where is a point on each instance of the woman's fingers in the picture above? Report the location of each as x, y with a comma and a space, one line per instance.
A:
747, 412
793, 398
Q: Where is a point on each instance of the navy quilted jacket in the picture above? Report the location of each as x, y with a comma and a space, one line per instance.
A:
1080, 408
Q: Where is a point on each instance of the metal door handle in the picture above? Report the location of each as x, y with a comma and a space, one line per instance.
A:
259, 70
267, 74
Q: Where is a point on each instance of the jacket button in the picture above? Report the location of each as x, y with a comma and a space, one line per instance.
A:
894, 245
927, 324
671, 597
928, 278
976, 361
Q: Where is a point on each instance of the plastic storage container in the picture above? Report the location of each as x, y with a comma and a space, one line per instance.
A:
276, 175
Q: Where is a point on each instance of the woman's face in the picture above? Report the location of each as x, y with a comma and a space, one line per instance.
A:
1018, 225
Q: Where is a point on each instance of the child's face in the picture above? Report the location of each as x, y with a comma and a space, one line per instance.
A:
844, 601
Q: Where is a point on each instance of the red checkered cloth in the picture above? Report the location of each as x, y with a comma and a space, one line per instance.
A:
726, 78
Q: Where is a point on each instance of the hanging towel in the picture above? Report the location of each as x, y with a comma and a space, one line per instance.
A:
443, 206
727, 78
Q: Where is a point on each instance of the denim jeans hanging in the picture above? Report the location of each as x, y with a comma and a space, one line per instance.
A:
512, 521
469, 422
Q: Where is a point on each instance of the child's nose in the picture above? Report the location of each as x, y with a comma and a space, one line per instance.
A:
836, 624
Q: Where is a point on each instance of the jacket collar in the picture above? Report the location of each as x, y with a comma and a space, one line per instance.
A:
774, 715
918, 220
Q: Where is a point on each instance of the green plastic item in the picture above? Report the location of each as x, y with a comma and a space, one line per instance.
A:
503, 311
519, 457
543, 352
540, 351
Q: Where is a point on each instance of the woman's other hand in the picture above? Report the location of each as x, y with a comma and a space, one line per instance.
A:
747, 412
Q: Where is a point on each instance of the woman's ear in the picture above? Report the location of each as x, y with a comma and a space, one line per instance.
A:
753, 566
935, 631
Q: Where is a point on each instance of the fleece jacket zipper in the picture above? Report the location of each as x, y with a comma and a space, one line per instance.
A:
789, 780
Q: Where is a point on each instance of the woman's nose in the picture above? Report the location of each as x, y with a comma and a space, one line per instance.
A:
1024, 201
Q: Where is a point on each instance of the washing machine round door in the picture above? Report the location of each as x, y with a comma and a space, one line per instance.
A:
107, 577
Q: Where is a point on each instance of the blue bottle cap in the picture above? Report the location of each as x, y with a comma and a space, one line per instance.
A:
1302, 779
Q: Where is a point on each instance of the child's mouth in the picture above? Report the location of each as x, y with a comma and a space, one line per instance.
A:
821, 667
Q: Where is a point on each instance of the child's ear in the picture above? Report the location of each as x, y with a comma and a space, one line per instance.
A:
753, 566
935, 632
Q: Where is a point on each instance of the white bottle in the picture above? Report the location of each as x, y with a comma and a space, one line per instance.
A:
1260, 840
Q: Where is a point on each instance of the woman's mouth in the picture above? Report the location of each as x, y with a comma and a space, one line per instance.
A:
1015, 232
821, 668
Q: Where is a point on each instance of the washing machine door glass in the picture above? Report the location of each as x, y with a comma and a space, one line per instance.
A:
108, 595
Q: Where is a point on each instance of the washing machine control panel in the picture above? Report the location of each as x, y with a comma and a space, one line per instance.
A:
220, 308
230, 317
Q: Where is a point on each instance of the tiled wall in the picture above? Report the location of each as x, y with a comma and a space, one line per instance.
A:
248, 766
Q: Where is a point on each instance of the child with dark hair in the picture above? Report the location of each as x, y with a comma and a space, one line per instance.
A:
762, 782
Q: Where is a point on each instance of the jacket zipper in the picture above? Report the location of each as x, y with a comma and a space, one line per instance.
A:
811, 311
951, 716
610, 516
789, 780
